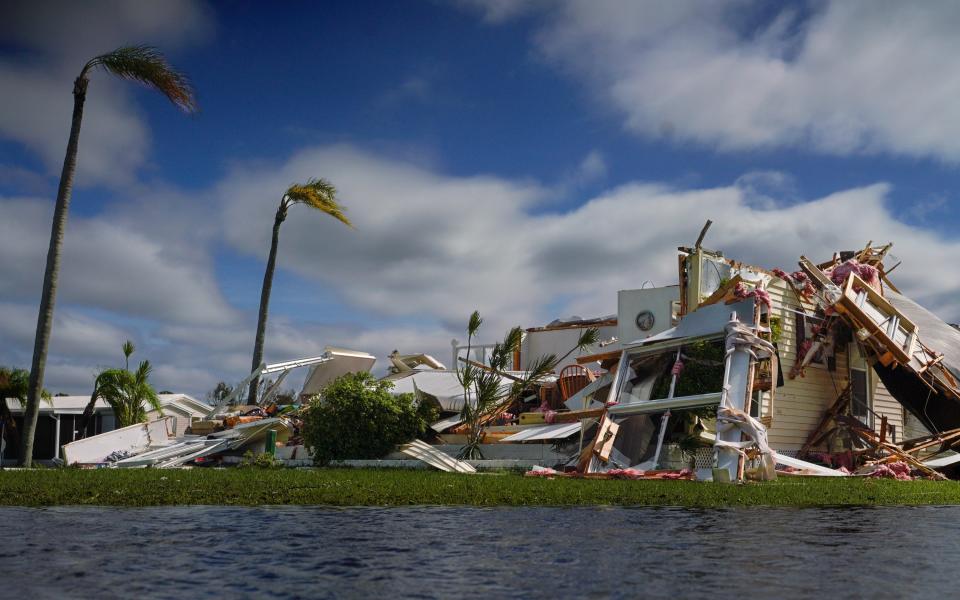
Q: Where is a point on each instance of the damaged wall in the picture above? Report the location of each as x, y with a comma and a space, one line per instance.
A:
801, 402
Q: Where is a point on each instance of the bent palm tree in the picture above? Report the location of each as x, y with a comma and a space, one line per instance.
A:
136, 63
127, 392
316, 193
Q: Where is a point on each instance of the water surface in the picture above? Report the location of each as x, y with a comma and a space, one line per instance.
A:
450, 552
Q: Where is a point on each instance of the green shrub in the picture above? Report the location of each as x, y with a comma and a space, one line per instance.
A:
356, 417
259, 461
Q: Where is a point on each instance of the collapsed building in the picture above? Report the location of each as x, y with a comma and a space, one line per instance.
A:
734, 372
757, 368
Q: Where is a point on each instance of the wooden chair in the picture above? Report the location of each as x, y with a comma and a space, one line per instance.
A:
572, 379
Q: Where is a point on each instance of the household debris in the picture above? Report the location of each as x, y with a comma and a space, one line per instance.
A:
425, 452
734, 373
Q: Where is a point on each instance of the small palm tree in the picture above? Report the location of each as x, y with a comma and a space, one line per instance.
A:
485, 393
318, 194
137, 63
127, 392
14, 384
128, 349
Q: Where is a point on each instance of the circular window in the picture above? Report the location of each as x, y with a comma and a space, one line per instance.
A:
645, 320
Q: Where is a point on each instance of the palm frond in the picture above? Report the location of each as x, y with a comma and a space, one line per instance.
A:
321, 195
126, 392
148, 66
541, 367
474, 323
15, 383
589, 337
142, 388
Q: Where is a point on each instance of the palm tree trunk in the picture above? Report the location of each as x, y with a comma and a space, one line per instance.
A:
48, 298
265, 302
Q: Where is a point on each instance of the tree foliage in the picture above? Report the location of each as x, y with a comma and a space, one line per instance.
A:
128, 393
356, 417
14, 384
219, 393
319, 194
484, 390
147, 65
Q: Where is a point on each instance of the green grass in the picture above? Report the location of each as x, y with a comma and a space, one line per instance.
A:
348, 487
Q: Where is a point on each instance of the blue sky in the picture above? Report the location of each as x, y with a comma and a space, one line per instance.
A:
526, 159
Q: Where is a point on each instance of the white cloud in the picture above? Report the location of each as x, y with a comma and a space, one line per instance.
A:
499, 11
76, 333
434, 246
592, 167
424, 243
37, 103
112, 265
855, 76
428, 249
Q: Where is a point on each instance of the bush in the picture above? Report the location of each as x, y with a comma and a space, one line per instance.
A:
356, 417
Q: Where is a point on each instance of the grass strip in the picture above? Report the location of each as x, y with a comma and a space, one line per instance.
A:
394, 487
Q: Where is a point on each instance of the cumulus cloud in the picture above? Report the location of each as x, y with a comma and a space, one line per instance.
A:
426, 243
839, 77
37, 103
112, 265
81, 345
430, 245
428, 249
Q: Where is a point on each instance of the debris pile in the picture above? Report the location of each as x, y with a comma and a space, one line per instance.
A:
698, 392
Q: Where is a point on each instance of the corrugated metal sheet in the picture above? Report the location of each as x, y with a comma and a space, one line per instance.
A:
544, 432
435, 458
444, 424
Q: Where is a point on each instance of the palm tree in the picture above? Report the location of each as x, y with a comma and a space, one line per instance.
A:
127, 392
137, 63
13, 386
128, 349
486, 395
316, 193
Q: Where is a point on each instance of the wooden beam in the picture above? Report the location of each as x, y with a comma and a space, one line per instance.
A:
589, 358
576, 415
703, 234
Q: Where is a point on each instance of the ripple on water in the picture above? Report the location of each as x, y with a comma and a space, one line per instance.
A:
430, 552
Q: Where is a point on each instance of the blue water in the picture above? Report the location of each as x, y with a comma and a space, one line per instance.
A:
431, 552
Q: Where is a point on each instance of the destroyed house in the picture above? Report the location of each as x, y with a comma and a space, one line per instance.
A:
60, 421
854, 362
839, 367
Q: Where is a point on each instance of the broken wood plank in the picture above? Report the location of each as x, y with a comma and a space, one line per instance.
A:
605, 438
589, 358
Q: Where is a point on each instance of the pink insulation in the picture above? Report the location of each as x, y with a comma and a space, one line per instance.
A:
742, 292
799, 281
897, 470
625, 473
541, 472
841, 272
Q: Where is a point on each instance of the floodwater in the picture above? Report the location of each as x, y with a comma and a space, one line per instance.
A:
441, 552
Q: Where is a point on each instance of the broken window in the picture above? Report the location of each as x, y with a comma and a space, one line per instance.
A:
861, 401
